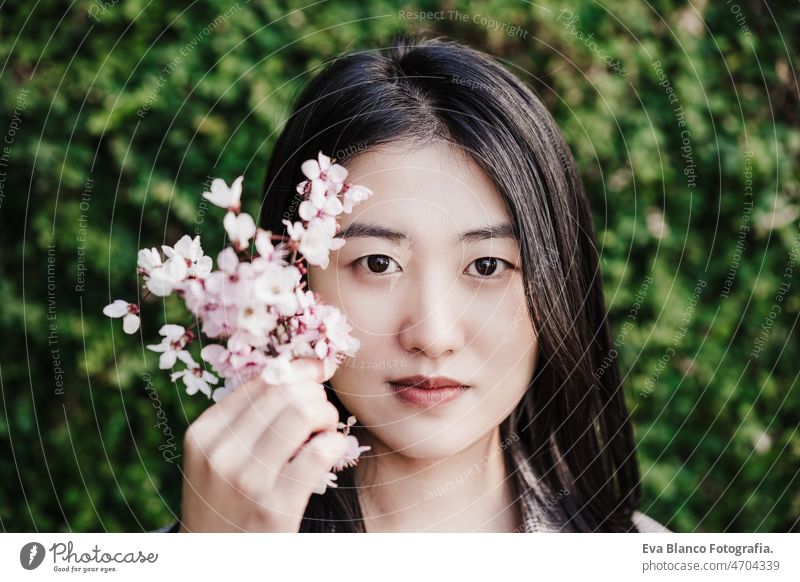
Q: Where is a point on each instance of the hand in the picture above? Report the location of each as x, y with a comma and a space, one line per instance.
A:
249, 464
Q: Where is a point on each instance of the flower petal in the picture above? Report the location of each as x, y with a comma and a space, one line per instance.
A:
336, 173
116, 309
324, 161
240, 228
167, 359
187, 359
311, 169
148, 259
130, 323
227, 260
172, 331
223, 196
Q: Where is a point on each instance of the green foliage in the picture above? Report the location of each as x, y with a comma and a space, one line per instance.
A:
130, 108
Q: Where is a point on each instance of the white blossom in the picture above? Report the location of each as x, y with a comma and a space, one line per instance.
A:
129, 313
240, 228
224, 196
254, 307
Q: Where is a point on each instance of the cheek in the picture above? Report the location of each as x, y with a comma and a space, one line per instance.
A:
506, 331
509, 348
373, 317
517, 344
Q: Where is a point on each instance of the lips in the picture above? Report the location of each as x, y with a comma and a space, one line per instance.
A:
428, 382
426, 391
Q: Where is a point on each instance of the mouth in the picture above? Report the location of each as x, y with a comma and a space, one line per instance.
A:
427, 391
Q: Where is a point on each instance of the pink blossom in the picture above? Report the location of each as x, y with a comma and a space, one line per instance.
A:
190, 250
316, 240
337, 331
352, 453
218, 357
330, 176
255, 307
149, 259
224, 283
129, 313
320, 205
164, 279
268, 252
196, 379
240, 228
353, 194
275, 286
279, 370
224, 196
219, 320
328, 480
171, 347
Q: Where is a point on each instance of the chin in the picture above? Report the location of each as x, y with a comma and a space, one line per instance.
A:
415, 441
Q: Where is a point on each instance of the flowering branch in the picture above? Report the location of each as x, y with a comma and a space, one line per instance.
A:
257, 309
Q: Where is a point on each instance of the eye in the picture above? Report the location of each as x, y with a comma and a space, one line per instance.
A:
486, 267
377, 264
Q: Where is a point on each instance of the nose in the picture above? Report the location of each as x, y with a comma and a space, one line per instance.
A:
432, 322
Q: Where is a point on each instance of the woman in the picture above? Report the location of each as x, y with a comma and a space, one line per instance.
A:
471, 279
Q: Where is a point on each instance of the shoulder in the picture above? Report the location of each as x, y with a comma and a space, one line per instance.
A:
169, 528
646, 524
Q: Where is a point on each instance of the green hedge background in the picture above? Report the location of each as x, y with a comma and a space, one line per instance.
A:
86, 181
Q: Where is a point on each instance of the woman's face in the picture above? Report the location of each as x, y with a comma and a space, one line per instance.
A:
431, 282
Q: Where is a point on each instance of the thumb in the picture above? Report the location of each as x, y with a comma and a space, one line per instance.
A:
314, 369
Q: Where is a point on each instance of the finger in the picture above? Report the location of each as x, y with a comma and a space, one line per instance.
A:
237, 440
215, 423
300, 477
224, 412
244, 395
281, 440
311, 369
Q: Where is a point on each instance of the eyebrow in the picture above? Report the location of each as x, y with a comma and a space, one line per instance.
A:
364, 230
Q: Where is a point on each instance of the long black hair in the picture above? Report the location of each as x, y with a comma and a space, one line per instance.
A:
572, 427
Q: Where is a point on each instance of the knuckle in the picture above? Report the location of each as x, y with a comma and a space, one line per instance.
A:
277, 394
287, 392
251, 390
291, 416
255, 383
254, 389
192, 439
303, 392
241, 483
309, 418
303, 408
267, 403
217, 463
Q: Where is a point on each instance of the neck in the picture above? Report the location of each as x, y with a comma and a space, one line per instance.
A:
466, 492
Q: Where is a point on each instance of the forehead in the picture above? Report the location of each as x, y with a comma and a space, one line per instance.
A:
423, 188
